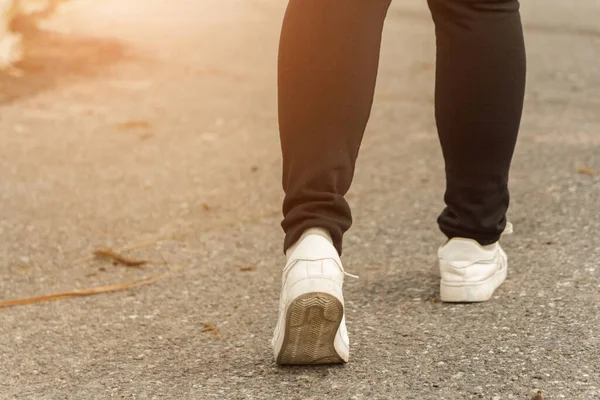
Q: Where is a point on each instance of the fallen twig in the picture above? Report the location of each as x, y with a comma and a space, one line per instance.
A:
135, 246
119, 259
585, 171
83, 292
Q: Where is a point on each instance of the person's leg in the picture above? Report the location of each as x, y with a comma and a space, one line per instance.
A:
480, 82
328, 60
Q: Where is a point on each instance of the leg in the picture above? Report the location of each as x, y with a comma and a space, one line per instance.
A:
480, 86
328, 60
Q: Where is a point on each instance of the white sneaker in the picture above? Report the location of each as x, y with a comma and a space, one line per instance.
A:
471, 272
311, 328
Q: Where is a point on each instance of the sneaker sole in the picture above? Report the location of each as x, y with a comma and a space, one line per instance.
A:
474, 292
312, 322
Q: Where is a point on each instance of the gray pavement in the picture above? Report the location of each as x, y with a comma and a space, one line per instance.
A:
201, 172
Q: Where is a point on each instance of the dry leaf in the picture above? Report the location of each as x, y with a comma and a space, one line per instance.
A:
247, 268
205, 206
118, 259
134, 125
538, 396
126, 248
585, 171
208, 327
83, 292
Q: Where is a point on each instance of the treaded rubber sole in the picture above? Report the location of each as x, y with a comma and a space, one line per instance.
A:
312, 322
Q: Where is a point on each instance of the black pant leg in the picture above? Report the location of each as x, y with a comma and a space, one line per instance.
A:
328, 60
480, 83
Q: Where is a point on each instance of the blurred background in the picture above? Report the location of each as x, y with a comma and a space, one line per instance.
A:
150, 127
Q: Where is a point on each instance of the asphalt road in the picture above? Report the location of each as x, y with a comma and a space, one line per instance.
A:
153, 124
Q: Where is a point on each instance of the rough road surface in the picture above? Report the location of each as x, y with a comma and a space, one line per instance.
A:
152, 124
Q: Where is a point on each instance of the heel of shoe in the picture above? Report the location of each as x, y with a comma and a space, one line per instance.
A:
311, 326
465, 294
471, 292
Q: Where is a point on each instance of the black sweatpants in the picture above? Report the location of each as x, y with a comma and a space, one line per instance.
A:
328, 61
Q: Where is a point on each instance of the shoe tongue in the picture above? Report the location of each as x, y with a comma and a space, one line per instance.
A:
312, 247
467, 250
318, 232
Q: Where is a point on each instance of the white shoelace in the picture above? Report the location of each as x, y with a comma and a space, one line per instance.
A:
349, 274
